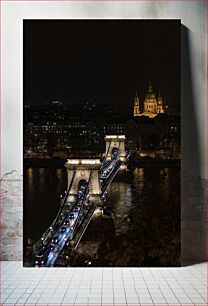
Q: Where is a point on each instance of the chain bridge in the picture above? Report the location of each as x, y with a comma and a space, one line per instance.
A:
88, 180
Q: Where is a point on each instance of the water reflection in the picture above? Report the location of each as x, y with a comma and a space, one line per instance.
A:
142, 222
29, 179
30, 172
119, 203
139, 180
145, 207
42, 191
59, 173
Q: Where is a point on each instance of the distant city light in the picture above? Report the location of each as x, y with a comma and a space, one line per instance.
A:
90, 161
111, 136
115, 136
73, 161
83, 162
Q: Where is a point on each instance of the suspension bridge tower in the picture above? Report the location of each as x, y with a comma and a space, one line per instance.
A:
83, 171
113, 143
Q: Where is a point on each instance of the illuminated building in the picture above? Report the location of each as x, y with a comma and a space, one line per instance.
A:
160, 108
136, 106
152, 105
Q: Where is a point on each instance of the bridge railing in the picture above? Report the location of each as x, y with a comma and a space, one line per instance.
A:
47, 235
48, 238
84, 195
77, 219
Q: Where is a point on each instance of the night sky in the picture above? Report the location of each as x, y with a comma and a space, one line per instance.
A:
103, 59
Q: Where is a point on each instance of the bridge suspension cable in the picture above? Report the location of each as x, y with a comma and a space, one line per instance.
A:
82, 209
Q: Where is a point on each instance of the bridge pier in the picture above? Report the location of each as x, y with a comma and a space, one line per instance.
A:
80, 171
115, 142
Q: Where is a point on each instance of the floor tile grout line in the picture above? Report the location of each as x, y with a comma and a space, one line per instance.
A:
147, 287
127, 276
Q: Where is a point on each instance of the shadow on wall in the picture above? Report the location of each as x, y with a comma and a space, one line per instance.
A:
193, 205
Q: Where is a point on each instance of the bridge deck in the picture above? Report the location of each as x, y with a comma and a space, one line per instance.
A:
70, 222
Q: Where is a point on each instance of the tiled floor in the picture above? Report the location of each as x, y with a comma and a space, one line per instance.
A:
103, 286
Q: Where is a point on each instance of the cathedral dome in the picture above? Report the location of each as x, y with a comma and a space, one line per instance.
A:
150, 94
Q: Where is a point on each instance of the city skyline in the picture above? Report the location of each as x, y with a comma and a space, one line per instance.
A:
107, 60
102, 152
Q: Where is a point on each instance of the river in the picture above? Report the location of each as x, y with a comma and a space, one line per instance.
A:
140, 225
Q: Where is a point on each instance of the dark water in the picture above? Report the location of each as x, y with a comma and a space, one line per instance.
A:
139, 227
42, 190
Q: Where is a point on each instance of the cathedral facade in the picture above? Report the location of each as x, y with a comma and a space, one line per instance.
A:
152, 106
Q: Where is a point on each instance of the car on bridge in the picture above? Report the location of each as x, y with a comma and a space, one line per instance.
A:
79, 204
55, 240
40, 258
66, 223
53, 247
71, 216
63, 229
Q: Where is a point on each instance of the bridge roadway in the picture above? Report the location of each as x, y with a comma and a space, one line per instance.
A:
71, 221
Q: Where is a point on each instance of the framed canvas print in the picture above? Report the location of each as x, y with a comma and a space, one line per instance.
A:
102, 143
